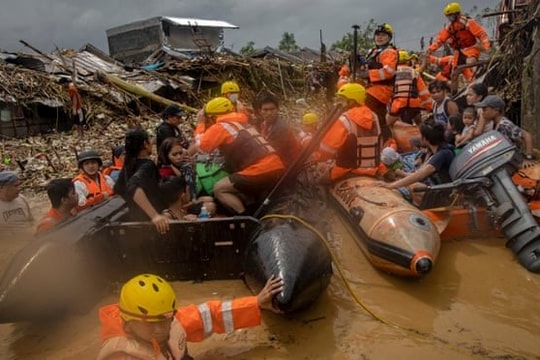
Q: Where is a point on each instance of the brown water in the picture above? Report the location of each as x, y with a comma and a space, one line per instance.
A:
477, 303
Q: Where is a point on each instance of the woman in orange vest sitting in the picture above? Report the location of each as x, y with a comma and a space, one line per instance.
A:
91, 185
354, 140
147, 324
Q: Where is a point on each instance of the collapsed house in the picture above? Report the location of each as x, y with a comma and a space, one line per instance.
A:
183, 37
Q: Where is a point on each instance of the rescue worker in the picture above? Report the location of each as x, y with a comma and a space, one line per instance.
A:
415, 62
64, 200
276, 130
410, 95
91, 186
253, 165
462, 34
344, 76
147, 324
382, 64
118, 155
445, 64
310, 123
76, 105
169, 127
354, 140
231, 91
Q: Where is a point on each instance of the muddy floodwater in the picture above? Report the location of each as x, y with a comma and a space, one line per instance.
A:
477, 303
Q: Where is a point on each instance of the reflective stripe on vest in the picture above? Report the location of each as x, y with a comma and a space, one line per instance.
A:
365, 152
206, 317
405, 83
226, 310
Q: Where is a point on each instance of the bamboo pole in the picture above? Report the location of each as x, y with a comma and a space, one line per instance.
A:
140, 91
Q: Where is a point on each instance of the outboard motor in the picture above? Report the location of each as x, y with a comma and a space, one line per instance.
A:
482, 169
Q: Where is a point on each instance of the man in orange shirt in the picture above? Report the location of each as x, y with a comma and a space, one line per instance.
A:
64, 199
462, 33
354, 139
76, 105
253, 165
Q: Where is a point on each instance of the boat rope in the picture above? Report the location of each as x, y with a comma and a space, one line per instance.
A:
334, 260
461, 348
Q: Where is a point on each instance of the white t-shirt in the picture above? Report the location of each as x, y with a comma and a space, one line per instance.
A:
15, 216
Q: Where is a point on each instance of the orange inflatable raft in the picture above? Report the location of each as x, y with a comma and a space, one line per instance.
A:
395, 236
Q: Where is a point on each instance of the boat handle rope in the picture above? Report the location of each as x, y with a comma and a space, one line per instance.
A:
359, 301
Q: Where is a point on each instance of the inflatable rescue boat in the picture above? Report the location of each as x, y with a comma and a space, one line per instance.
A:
69, 269
395, 236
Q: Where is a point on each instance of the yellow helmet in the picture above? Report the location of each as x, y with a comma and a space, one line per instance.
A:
353, 91
218, 106
452, 8
385, 28
404, 56
310, 118
229, 87
147, 297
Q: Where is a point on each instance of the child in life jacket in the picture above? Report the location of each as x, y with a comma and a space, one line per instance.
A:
91, 185
147, 324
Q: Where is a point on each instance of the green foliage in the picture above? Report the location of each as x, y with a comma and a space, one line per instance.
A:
248, 49
288, 42
364, 39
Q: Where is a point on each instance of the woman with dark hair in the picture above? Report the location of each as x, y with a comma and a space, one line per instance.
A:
475, 94
175, 162
138, 182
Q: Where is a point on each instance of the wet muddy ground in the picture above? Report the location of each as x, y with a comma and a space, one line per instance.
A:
478, 303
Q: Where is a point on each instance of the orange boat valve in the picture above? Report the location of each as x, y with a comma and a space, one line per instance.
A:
422, 262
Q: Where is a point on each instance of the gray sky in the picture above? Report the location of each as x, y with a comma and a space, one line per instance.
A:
72, 23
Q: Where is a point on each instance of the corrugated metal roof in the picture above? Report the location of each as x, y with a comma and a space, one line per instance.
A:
91, 63
199, 22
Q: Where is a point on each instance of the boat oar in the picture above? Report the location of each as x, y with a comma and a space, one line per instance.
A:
302, 157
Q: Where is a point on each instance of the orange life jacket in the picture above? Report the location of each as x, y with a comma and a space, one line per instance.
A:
248, 146
362, 147
95, 189
409, 85
382, 64
191, 323
116, 341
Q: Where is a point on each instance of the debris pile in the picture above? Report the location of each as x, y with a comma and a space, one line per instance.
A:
112, 109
